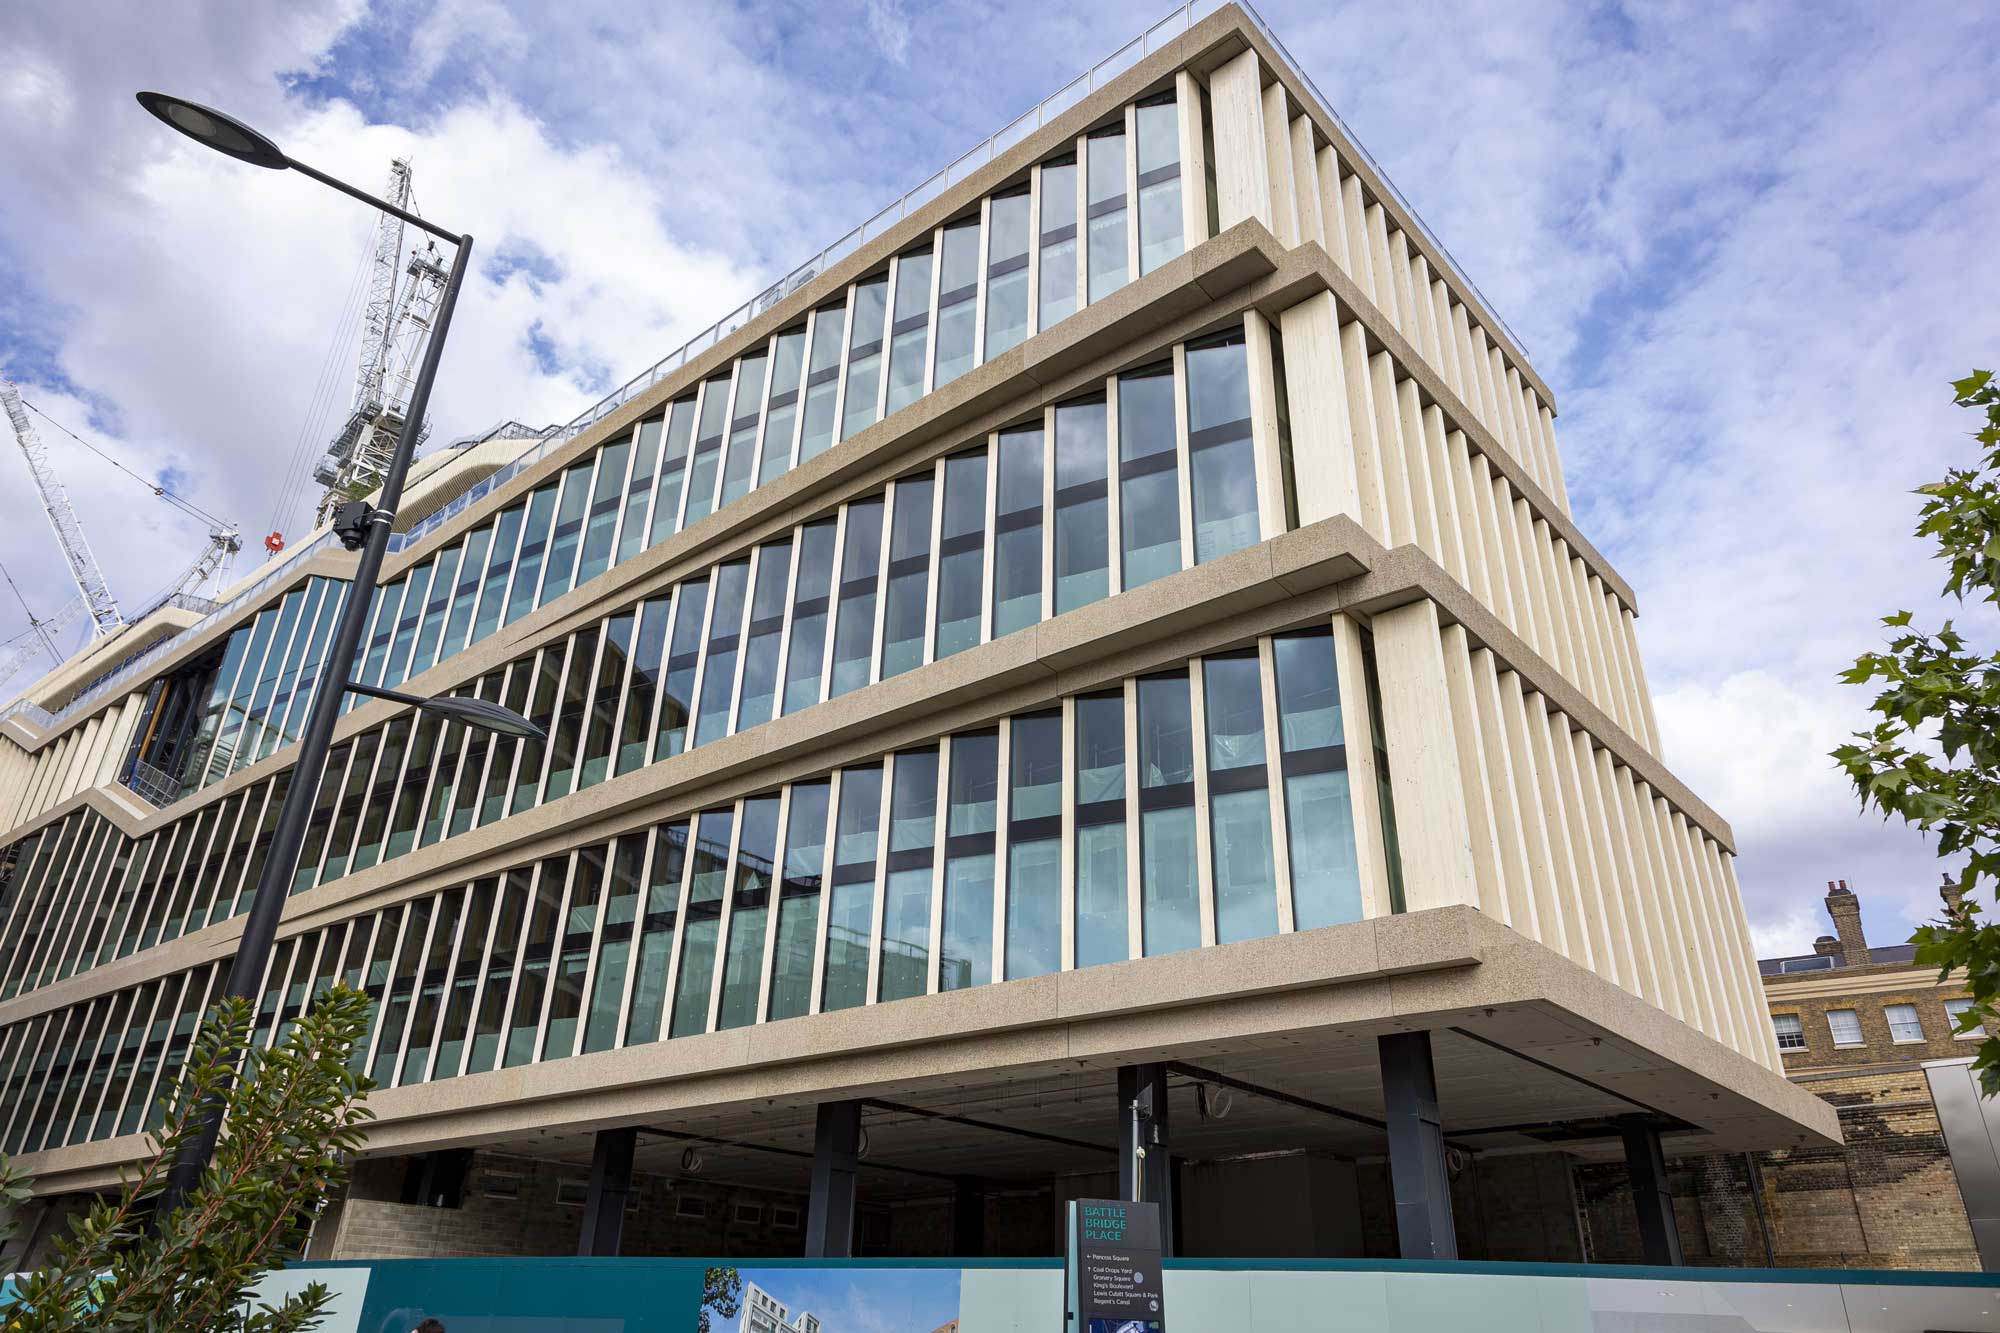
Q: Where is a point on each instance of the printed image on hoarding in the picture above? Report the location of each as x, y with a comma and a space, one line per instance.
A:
830, 1300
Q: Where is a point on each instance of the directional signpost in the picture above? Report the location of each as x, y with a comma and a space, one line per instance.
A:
1111, 1268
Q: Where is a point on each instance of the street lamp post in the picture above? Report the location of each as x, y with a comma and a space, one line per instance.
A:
361, 526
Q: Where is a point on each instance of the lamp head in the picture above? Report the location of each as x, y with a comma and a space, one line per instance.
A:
224, 133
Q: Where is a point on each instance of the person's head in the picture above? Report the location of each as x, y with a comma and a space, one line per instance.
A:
429, 1326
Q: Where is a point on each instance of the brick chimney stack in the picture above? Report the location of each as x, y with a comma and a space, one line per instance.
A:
1953, 895
1845, 909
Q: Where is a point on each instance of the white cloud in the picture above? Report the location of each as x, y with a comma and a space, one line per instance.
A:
890, 24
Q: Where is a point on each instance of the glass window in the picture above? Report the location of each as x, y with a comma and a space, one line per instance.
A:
600, 524
805, 654
759, 695
1239, 801
749, 907
822, 381
1319, 815
725, 637
906, 899
1791, 1035
428, 1003
381, 793
739, 469
493, 592
324, 803
639, 488
572, 961
958, 300
534, 542
702, 480
1845, 1026
1034, 845
1170, 913
1110, 252
961, 554
1159, 182
708, 877
401, 990
506, 750
455, 1024
605, 699
781, 411
542, 712
388, 605
1219, 448
537, 949
286, 729
798, 901
1082, 561
424, 654
864, 354
656, 932
566, 739
265, 702
1904, 1025
673, 470
635, 732
1006, 273
1149, 493
570, 515
465, 595
683, 654
621, 905
1058, 274
1101, 892
850, 923
1956, 1010
966, 957
906, 613
490, 1023
909, 336
860, 570
1017, 536
349, 809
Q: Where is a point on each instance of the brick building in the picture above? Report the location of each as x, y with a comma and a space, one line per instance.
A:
1864, 1028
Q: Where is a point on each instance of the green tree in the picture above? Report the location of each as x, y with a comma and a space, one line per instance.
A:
721, 1292
291, 1119
1933, 757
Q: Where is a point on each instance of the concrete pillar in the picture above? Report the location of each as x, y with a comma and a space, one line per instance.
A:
1242, 166
1322, 433
1426, 777
836, 1158
1659, 1236
1417, 1175
968, 1218
1147, 1085
610, 1187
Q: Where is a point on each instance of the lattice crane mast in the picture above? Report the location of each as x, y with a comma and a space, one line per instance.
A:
224, 541
90, 584
398, 320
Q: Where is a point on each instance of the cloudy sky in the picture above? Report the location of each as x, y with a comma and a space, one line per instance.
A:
1747, 247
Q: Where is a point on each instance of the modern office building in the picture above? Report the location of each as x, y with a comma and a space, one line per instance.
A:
1112, 622
765, 1313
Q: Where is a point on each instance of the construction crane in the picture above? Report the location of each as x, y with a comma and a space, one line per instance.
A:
90, 584
399, 318
224, 541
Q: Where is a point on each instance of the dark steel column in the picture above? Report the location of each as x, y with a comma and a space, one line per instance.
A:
1659, 1234
1416, 1148
836, 1154
968, 1218
1147, 1084
610, 1187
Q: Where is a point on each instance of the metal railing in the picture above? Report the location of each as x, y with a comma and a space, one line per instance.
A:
1175, 23
151, 784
